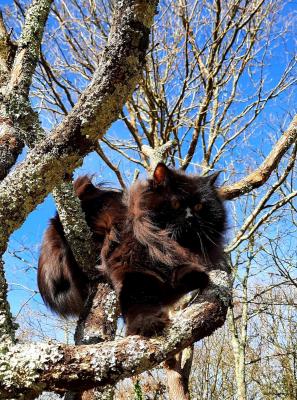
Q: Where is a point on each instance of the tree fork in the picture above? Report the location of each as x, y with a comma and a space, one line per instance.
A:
99, 105
33, 368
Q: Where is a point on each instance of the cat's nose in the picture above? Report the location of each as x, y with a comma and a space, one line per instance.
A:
188, 213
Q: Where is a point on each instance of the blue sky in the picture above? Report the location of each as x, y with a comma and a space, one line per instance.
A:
30, 234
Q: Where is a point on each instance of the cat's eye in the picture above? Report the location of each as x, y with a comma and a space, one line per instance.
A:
175, 204
197, 207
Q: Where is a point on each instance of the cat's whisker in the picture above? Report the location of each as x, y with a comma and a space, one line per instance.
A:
214, 231
206, 235
202, 247
210, 228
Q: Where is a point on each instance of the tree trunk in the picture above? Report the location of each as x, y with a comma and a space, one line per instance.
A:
178, 370
97, 324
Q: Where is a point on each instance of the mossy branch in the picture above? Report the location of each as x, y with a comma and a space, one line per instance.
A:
100, 104
33, 368
77, 232
19, 124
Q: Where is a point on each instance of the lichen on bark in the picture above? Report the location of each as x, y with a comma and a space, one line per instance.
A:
7, 325
36, 367
64, 367
77, 232
20, 367
27, 54
99, 106
19, 124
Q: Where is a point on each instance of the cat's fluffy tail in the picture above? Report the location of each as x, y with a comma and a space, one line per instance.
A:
62, 284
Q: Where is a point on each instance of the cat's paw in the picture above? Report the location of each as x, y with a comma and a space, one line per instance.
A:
194, 280
147, 325
189, 278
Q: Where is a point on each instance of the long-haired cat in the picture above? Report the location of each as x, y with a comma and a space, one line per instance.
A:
167, 232
172, 234
62, 284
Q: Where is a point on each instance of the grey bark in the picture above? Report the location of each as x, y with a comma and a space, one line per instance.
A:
119, 70
18, 122
98, 321
36, 367
77, 232
157, 154
31, 368
99, 106
15, 81
97, 324
7, 326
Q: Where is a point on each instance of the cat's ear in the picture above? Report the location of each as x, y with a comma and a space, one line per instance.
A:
84, 187
211, 179
161, 174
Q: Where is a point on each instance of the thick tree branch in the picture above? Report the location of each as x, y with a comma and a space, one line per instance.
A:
77, 232
12, 138
18, 123
98, 107
68, 205
35, 367
7, 327
27, 54
7, 51
10, 144
178, 371
108, 86
258, 177
16, 114
98, 324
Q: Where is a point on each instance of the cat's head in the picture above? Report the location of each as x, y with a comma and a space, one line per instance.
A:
188, 205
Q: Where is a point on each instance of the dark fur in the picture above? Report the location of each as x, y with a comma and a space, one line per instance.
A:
151, 252
202, 232
62, 284
160, 254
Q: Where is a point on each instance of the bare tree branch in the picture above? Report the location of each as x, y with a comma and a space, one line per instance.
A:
99, 106
258, 177
18, 123
36, 367
113, 167
156, 154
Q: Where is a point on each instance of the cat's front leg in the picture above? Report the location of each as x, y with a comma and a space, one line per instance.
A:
146, 320
141, 301
189, 277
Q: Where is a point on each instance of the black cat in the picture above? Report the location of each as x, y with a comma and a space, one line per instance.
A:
172, 234
156, 242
